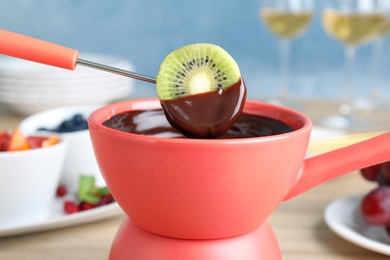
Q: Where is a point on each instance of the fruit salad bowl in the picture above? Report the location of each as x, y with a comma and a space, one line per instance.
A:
70, 124
28, 182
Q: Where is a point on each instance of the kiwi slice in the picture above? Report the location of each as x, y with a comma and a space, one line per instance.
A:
195, 69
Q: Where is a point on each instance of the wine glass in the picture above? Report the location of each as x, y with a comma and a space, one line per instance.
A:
287, 19
375, 100
353, 23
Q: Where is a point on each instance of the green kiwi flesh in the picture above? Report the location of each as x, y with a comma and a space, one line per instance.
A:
195, 69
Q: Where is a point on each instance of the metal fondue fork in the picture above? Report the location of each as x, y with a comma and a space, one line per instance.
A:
114, 70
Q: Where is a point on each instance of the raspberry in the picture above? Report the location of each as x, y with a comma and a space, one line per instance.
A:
71, 207
61, 190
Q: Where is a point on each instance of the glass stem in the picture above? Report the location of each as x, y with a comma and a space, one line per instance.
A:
376, 69
346, 108
284, 48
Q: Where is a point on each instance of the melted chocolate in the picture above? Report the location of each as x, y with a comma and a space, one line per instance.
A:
206, 115
154, 123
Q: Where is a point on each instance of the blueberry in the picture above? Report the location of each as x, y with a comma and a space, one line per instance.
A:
66, 125
78, 119
80, 127
75, 123
59, 130
43, 129
84, 125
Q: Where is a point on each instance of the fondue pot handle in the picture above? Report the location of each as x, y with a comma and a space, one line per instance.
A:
321, 168
28, 48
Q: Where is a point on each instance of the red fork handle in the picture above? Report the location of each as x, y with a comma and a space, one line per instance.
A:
28, 48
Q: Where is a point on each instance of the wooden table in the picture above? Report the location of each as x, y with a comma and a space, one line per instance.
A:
298, 224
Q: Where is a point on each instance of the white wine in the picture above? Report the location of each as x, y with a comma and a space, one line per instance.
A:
385, 31
353, 28
286, 24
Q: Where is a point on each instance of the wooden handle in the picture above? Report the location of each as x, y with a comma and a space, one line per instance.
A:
28, 48
324, 167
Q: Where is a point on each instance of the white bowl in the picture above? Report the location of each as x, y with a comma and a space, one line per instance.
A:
80, 158
28, 181
31, 107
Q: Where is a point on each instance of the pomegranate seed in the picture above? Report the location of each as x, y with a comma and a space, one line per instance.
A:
109, 195
106, 199
61, 190
86, 206
70, 207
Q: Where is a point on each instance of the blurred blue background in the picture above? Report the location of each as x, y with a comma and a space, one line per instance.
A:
144, 31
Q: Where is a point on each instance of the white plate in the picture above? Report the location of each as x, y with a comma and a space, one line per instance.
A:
344, 218
58, 219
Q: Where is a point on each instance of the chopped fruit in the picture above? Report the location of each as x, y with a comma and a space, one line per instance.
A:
385, 168
86, 189
103, 191
71, 207
382, 179
4, 140
17, 142
61, 190
194, 69
370, 173
375, 207
35, 141
106, 199
86, 206
201, 90
89, 196
52, 140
